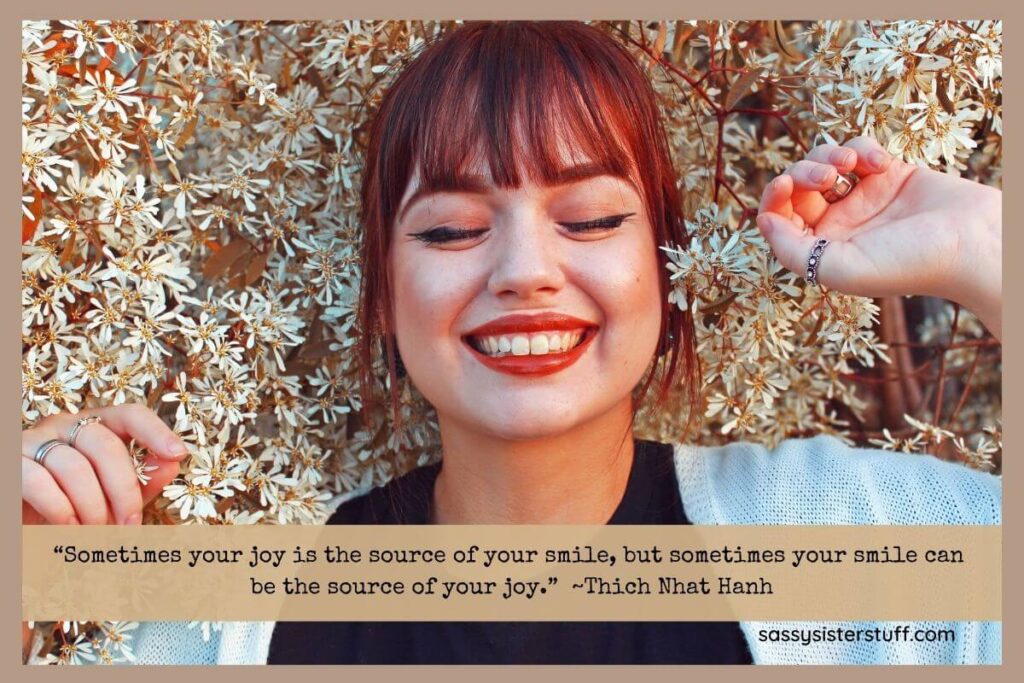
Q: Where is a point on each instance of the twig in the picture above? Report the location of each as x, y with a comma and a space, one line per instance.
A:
942, 366
967, 386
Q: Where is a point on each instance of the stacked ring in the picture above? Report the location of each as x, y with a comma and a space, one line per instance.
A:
44, 450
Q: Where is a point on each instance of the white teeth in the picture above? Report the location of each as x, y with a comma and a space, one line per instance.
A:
536, 344
520, 346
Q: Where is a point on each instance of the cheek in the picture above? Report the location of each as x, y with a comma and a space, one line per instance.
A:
428, 298
625, 281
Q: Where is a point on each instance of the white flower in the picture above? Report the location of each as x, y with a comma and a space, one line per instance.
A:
37, 164
191, 499
242, 184
187, 191
33, 50
108, 96
933, 434
147, 330
77, 652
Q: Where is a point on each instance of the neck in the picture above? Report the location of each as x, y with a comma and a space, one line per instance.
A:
574, 477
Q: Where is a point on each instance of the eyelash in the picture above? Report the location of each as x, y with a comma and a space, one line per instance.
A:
445, 234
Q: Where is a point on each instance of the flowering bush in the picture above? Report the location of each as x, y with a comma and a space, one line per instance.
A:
191, 223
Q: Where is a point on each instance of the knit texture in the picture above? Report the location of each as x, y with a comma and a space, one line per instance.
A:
819, 480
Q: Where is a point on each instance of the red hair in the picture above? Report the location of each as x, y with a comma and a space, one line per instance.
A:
509, 88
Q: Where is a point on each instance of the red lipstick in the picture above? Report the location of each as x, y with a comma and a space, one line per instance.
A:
532, 365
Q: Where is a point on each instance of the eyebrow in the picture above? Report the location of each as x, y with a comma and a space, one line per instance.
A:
476, 184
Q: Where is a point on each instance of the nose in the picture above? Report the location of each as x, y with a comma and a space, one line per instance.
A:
527, 261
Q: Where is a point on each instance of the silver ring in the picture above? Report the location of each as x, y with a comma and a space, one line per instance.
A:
44, 450
82, 422
814, 260
842, 186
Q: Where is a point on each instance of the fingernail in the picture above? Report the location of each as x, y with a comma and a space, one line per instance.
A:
879, 159
176, 448
765, 224
135, 519
821, 174
843, 157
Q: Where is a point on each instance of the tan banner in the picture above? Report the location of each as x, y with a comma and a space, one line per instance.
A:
512, 573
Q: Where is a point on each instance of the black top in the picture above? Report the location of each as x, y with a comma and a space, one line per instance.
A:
651, 497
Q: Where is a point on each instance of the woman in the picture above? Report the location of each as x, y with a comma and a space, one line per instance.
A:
516, 188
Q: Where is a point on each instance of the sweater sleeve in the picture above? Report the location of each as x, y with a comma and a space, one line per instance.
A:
176, 642
821, 480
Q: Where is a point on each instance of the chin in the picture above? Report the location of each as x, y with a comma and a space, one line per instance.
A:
526, 423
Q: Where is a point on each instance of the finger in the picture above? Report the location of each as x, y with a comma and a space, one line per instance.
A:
805, 208
812, 176
810, 179
777, 196
792, 249
871, 156
44, 495
842, 158
115, 469
163, 474
77, 479
136, 421
788, 243
128, 421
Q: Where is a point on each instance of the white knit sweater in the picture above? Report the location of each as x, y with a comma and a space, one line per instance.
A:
802, 481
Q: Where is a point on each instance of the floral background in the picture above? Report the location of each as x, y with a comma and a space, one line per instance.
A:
190, 231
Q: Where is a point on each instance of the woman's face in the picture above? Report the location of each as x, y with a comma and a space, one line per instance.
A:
520, 314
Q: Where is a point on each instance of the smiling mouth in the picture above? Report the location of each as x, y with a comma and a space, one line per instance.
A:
533, 353
542, 343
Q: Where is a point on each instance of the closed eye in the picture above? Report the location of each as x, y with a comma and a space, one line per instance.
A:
444, 234
598, 223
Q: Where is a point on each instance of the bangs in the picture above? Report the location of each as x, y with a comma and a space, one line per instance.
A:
523, 102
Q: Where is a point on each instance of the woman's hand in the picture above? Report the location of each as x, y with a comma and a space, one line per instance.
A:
902, 230
95, 482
